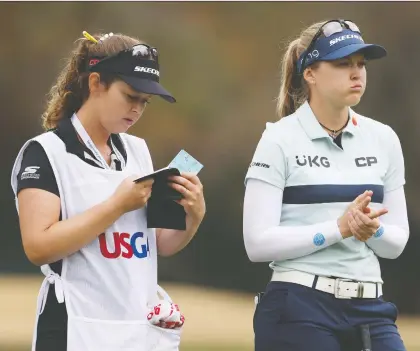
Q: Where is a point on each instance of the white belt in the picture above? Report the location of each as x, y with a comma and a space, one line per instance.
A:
340, 288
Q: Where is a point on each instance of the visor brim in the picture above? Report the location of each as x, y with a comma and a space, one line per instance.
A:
369, 51
148, 87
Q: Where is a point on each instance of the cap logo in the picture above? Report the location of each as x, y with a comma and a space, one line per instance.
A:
146, 70
345, 37
93, 62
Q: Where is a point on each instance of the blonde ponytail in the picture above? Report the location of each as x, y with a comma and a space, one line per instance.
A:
293, 89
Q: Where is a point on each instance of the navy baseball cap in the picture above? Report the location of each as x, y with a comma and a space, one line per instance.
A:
135, 68
338, 46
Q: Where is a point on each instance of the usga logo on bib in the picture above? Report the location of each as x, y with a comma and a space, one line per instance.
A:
124, 245
146, 70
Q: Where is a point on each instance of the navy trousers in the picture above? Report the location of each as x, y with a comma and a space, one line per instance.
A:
292, 317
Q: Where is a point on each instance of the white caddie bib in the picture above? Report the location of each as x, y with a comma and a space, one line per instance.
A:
108, 285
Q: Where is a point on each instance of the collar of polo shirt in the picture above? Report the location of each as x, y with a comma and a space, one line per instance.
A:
68, 135
312, 127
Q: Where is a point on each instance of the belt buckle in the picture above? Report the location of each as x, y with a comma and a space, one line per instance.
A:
337, 282
360, 289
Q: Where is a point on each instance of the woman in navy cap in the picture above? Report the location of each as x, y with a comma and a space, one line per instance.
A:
83, 219
324, 199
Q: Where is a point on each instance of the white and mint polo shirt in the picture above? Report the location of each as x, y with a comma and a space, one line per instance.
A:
319, 180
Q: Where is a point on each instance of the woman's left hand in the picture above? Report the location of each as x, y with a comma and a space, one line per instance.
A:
189, 185
364, 225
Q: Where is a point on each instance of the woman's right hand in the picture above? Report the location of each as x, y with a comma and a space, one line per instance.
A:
130, 196
360, 203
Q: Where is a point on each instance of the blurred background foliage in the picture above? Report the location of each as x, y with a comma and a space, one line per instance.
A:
221, 61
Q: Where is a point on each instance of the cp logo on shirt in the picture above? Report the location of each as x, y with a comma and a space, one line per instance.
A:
125, 245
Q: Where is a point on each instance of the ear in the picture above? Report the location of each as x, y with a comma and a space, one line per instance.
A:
309, 76
94, 82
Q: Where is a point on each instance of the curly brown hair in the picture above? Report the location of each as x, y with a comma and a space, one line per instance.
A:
71, 89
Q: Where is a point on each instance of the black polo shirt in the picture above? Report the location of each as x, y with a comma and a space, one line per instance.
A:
52, 323
35, 156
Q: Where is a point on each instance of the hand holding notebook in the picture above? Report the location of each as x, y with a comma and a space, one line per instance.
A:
162, 210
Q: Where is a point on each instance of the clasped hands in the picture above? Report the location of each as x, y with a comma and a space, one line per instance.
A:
359, 220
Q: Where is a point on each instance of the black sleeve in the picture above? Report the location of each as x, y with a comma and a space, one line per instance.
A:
36, 170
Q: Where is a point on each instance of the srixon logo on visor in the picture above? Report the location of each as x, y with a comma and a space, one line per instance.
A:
146, 70
125, 245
